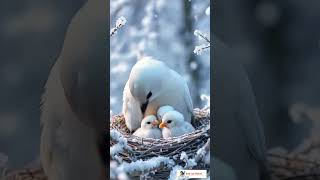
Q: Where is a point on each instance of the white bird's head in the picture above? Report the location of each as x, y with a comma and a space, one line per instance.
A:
163, 109
149, 122
146, 79
171, 119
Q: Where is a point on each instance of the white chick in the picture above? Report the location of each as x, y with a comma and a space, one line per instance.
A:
149, 128
173, 125
162, 110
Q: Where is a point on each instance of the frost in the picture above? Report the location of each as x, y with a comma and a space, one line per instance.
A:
183, 155
121, 145
119, 23
203, 47
189, 162
117, 173
202, 152
146, 165
207, 99
201, 35
200, 49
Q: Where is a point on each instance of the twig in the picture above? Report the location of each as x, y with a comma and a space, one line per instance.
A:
120, 22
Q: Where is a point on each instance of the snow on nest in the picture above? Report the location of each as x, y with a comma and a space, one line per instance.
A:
173, 173
146, 165
189, 162
121, 145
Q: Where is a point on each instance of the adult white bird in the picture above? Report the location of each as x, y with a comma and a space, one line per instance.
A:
74, 108
173, 125
149, 128
152, 84
239, 136
162, 110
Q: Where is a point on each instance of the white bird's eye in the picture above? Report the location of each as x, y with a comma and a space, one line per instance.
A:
148, 122
169, 121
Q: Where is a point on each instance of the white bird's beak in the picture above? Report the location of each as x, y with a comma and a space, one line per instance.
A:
163, 125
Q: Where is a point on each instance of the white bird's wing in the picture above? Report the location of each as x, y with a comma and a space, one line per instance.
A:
131, 109
187, 98
139, 132
188, 128
251, 123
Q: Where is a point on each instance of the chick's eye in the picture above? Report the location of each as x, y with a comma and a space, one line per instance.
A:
169, 121
148, 122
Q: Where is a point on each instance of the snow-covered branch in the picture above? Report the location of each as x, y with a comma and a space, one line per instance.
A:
189, 163
203, 153
201, 35
119, 23
151, 164
203, 47
120, 146
173, 173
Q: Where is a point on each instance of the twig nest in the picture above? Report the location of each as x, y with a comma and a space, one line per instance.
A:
147, 148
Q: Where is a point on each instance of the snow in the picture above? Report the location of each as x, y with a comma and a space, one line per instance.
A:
119, 23
146, 165
183, 155
207, 99
173, 173
201, 35
201, 48
116, 173
120, 146
189, 162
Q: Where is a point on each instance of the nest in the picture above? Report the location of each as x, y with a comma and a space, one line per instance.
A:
146, 148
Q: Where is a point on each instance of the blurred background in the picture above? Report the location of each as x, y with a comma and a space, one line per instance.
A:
277, 41
164, 30
31, 33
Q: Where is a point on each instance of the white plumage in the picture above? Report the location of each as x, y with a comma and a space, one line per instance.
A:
162, 110
173, 125
149, 128
153, 84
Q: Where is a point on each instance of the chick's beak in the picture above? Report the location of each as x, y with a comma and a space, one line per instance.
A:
163, 125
